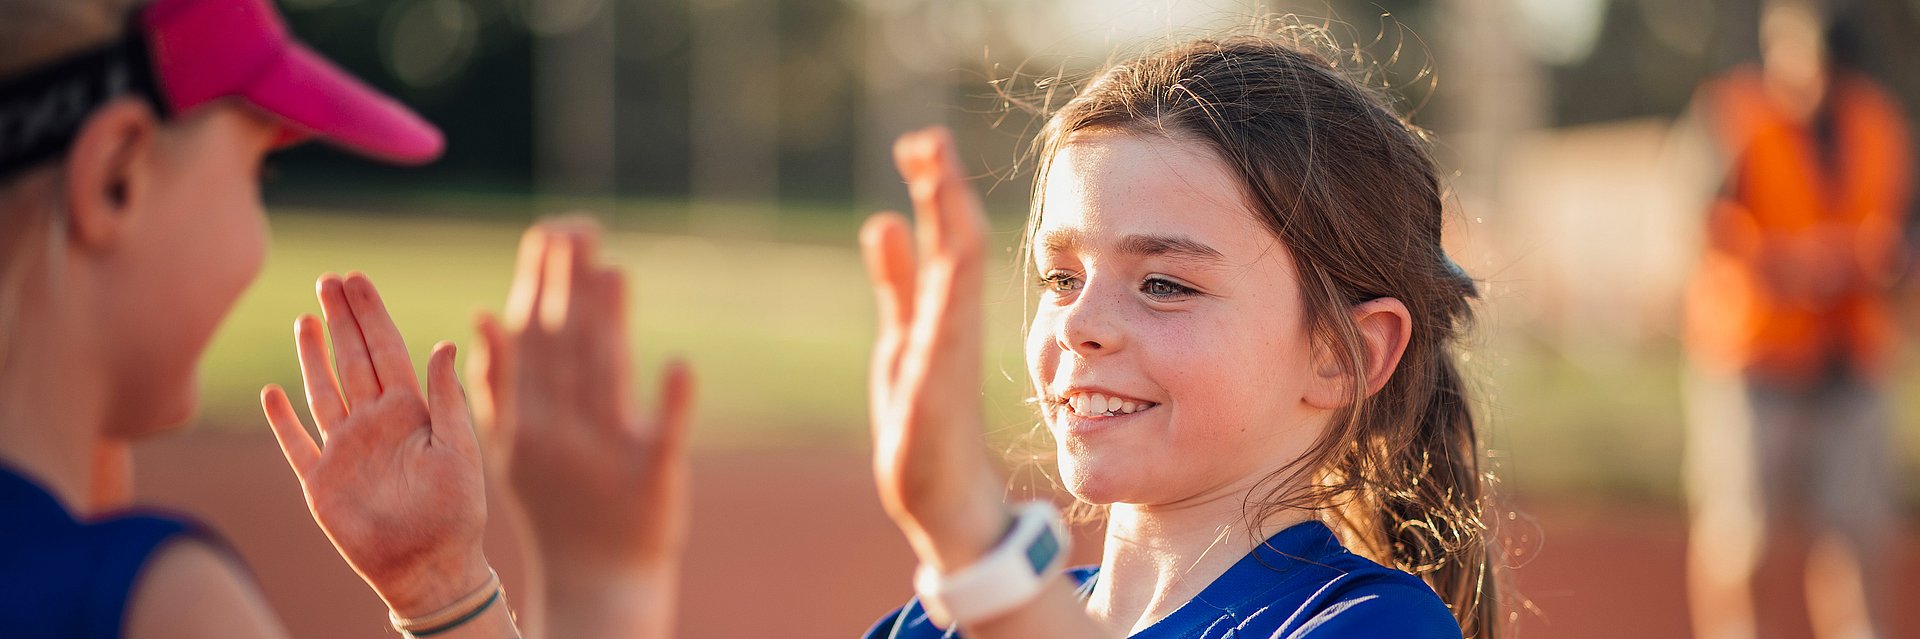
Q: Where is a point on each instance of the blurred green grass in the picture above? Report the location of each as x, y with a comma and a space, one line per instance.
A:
778, 331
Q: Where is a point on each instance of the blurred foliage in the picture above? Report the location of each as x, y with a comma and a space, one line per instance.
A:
484, 106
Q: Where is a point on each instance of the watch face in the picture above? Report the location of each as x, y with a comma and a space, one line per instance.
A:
1043, 550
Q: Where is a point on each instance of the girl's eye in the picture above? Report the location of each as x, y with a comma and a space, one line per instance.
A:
1059, 282
1165, 288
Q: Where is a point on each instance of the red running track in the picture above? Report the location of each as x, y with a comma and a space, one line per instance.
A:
792, 543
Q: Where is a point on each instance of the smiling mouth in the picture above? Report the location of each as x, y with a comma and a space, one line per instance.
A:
1100, 405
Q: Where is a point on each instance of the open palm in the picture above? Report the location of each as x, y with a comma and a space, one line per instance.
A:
398, 486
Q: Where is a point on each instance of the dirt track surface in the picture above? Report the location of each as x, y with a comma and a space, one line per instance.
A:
793, 544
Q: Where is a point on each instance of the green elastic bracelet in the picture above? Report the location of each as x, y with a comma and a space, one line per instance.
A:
463, 618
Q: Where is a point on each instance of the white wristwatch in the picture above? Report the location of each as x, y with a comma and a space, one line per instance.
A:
1013, 572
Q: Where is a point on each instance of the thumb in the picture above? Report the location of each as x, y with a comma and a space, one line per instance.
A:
302, 453
447, 402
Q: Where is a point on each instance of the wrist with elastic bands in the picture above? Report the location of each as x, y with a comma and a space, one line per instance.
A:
454, 615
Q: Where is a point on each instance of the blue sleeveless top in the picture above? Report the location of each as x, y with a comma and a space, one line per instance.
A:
1301, 584
66, 579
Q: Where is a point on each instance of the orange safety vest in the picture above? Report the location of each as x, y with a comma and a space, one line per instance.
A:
1803, 244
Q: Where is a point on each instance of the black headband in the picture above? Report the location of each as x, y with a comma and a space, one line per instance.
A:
42, 111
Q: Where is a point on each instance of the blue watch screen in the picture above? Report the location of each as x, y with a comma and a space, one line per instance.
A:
1042, 551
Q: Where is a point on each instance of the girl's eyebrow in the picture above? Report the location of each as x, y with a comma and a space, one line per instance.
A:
1140, 245
1169, 246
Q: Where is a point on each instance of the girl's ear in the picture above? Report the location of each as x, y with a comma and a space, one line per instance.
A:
1384, 327
105, 180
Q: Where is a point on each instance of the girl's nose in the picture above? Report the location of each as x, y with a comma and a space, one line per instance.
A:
1090, 325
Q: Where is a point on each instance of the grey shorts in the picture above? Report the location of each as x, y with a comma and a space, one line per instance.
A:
1760, 456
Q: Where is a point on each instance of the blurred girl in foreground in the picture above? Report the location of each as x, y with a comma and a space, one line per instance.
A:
131, 139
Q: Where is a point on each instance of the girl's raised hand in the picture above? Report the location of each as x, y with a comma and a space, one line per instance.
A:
396, 482
930, 457
603, 489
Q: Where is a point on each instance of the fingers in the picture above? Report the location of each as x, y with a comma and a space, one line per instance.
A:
385, 347
298, 446
323, 391
490, 365
580, 275
676, 411
482, 368
949, 215
528, 279
350, 358
556, 291
888, 250
951, 231
447, 401
604, 340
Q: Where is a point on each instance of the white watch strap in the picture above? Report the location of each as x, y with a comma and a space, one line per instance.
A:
1009, 575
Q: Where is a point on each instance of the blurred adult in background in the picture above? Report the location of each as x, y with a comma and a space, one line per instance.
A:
1789, 332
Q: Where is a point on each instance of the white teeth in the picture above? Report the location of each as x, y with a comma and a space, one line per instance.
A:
1096, 405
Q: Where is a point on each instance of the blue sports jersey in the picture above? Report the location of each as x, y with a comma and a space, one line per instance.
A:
1301, 584
61, 578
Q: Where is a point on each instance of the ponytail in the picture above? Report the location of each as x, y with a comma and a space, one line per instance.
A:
1434, 524
1399, 472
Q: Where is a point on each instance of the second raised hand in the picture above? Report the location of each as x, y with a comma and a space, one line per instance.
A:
935, 477
398, 486
603, 486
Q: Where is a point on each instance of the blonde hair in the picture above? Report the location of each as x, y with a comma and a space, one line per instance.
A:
33, 33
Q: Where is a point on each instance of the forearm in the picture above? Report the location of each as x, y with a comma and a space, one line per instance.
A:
630, 605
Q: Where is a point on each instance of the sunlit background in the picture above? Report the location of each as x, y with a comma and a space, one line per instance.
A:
733, 146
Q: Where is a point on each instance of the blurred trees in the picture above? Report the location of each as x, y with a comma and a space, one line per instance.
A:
794, 100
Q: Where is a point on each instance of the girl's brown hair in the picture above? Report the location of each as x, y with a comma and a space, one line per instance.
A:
1348, 186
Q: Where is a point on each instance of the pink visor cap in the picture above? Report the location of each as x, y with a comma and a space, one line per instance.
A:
203, 50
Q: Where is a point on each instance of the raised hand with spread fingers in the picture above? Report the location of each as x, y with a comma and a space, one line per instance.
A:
602, 485
396, 480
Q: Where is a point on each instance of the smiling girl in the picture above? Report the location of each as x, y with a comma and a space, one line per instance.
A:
1242, 348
